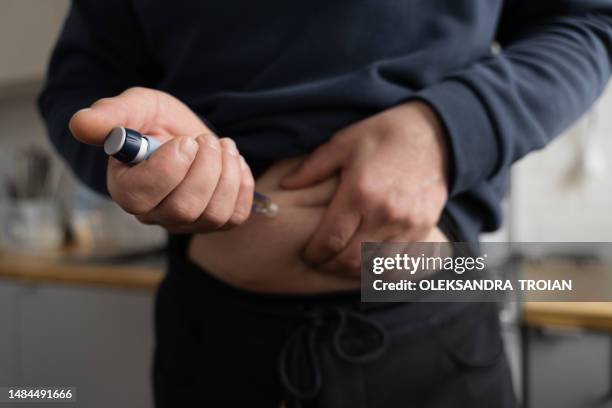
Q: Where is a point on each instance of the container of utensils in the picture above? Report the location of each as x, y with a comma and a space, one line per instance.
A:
30, 219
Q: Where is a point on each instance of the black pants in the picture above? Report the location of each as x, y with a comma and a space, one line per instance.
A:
218, 346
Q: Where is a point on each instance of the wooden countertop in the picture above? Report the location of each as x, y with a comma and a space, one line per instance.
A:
61, 268
595, 279
579, 315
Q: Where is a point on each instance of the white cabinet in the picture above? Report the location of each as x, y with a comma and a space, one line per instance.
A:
97, 340
9, 336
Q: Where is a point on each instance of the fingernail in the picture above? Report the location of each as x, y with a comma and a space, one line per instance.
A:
79, 111
243, 164
71, 123
82, 110
232, 148
213, 143
188, 146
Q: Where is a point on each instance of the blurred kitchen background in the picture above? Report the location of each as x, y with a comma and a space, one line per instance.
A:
71, 315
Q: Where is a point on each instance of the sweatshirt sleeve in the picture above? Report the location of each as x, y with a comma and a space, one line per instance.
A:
99, 53
555, 60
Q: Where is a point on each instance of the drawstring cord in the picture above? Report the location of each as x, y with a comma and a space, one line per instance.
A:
301, 346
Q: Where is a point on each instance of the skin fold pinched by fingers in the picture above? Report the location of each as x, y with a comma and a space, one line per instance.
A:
266, 254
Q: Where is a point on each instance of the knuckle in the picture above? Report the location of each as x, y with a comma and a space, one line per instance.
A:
208, 140
216, 217
309, 161
102, 102
183, 211
419, 222
238, 218
132, 202
137, 90
366, 190
334, 243
228, 144
247, 182
339, 139
127, 196
406, 218
390, 211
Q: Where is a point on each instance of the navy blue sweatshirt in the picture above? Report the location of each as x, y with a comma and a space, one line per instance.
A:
280, 77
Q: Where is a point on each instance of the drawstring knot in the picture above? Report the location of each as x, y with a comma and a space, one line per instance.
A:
299, 363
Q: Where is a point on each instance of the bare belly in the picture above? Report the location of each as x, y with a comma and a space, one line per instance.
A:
264, 254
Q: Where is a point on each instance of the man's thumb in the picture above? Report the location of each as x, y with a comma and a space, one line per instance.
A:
318, 166
92, 125
131, 108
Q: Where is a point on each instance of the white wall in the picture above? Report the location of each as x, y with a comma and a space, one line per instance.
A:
564, 193
28, 29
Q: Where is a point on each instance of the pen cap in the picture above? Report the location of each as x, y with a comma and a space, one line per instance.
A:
126, 145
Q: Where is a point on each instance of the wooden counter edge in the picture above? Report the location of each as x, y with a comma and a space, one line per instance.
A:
575, 315
109, 276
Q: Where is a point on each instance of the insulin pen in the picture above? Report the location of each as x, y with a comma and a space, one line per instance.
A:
132, 147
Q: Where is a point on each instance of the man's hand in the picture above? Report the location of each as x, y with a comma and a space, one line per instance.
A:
393, 187
194, 182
